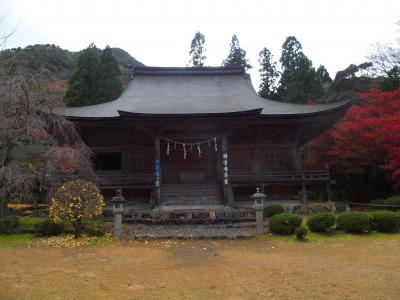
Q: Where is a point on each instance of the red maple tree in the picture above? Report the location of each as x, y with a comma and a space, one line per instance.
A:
369, 134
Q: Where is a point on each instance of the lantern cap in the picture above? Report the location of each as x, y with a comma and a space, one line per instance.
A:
258, 194
118, 197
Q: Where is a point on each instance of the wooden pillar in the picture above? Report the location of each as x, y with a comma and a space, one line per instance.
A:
304, 192
328, 185
157, 170
225, 174
328, 190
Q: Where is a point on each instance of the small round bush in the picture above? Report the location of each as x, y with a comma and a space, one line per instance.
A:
49, 228
321, 222
271, 210
394, 200
354, 222
9, 225
300, 233
284, 223
385, 221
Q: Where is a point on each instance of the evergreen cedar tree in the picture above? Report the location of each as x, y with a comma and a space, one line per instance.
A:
268, 75
369, 134
300, 82
197, 51
236, 56
97, 78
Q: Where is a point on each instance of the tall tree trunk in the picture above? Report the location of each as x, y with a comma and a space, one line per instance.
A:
78, 228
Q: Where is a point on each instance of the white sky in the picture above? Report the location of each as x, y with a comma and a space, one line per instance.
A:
158, 33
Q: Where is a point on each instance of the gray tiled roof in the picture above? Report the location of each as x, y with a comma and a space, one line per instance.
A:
188, 91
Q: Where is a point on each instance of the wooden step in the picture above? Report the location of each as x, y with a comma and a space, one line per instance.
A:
191, 194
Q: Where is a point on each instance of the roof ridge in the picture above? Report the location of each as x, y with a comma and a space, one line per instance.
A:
187, 70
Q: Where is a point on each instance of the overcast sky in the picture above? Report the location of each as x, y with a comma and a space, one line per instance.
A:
158, 33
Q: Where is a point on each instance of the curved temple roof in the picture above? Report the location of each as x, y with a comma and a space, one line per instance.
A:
190, 92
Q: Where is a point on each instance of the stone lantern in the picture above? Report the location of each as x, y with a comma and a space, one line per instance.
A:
117, 203
259, 198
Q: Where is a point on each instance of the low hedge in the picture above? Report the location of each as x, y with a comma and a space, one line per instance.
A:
394, 200
272, 210
321, 222
9, 225
300, 233
385, 221
49, 228
94, 228
354, 222
284, 223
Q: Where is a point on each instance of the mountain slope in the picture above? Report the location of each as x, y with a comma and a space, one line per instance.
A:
58, 63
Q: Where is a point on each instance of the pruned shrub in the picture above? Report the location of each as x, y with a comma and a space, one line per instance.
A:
94, 228
284, 223
321, 222
76, 201
271, 210
354, 222
385, 221
49, 228
300, 233
9, 225
394, 200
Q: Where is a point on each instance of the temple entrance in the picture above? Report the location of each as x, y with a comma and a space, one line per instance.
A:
194, 169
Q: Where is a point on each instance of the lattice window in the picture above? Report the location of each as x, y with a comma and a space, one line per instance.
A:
240, 159
276, 160
141, 158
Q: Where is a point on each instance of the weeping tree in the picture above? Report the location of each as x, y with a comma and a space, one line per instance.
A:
38, 149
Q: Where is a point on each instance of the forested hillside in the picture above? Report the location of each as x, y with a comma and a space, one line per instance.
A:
58, 63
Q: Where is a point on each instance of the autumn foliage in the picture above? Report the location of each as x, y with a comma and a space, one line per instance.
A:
369, 134
76, 201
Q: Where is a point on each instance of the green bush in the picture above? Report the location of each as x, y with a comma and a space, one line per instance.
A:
49, 228
394, 200
321, 222
355, 222
385, 221
27, 224
300, 233
284, 223
94, 228
9, 225
271, 210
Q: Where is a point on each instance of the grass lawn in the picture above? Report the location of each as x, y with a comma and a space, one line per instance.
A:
340, 266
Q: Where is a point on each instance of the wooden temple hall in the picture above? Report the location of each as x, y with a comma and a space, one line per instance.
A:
202, 138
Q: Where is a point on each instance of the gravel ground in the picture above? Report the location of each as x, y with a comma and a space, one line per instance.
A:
186, 231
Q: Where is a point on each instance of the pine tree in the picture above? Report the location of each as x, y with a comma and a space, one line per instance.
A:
197, 51
323, 75
299, 82
97, 78
109, 77
268, 74
237, 56
83, 83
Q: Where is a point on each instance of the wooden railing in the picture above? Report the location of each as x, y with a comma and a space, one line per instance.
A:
125, 180
118, 180
147, 178
289, 176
